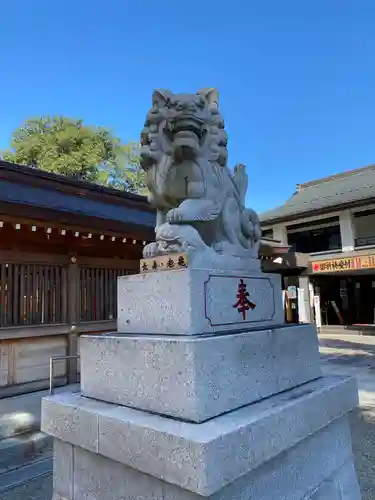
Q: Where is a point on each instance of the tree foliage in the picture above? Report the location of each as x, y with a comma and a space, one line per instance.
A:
69, 147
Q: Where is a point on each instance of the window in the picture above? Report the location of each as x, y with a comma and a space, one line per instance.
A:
32, 294
316, 240
364, 223
98, 293
267, 233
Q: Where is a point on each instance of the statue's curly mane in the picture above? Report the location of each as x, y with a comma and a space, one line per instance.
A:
184, 152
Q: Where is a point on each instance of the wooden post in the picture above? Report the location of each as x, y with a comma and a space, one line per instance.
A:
73, 285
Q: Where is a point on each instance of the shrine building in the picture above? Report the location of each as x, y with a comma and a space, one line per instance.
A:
329, 226
62, 245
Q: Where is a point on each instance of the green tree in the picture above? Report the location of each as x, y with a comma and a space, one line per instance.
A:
126, 174
69, 147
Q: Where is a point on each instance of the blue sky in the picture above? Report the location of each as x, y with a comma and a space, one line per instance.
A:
296, 78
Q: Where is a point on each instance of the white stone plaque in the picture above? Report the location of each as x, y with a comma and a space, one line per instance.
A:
237, 300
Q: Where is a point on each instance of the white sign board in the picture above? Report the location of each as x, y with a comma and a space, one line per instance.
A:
318, 314
302, 313
311, 295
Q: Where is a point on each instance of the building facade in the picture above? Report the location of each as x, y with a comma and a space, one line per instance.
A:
332, 222
63, 244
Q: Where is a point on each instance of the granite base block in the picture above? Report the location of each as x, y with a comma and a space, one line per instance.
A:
318, 468
205, 459
197, 378
63, 474
346, 482
196, 301
342, 485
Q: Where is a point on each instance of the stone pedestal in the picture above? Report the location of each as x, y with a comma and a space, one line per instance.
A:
197, 397
197, 301
197, 378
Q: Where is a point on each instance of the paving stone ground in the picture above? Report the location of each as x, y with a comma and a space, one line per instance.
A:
39, 488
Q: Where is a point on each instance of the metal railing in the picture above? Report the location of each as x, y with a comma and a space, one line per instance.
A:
51, 367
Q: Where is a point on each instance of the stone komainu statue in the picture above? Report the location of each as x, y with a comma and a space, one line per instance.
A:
200, 203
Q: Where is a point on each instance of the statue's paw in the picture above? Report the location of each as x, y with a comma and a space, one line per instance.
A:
150, 250
174, 215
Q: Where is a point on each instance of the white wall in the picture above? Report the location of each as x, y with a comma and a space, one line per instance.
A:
280, 233
347, 230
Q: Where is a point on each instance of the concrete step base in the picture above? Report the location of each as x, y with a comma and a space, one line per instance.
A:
23, 449
22, 475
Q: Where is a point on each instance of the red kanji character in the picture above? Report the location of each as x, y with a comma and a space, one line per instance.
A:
243, 304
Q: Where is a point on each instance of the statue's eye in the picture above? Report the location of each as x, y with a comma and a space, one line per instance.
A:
202, 102
170, 103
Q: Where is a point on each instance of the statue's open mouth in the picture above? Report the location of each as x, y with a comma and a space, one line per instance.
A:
188, 124
186, 134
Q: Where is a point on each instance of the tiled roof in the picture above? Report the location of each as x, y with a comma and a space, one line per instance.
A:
324, 194
28, 173
23, 185
75, 204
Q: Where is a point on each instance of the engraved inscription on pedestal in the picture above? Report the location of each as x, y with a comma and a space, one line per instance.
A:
236, 300
164, 263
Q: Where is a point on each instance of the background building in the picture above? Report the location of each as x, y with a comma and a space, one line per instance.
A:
62, 245
332, 221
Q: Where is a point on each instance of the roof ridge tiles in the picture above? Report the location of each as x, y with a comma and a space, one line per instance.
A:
341, 175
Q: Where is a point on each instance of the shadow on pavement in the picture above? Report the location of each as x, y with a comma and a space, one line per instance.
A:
347, 344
